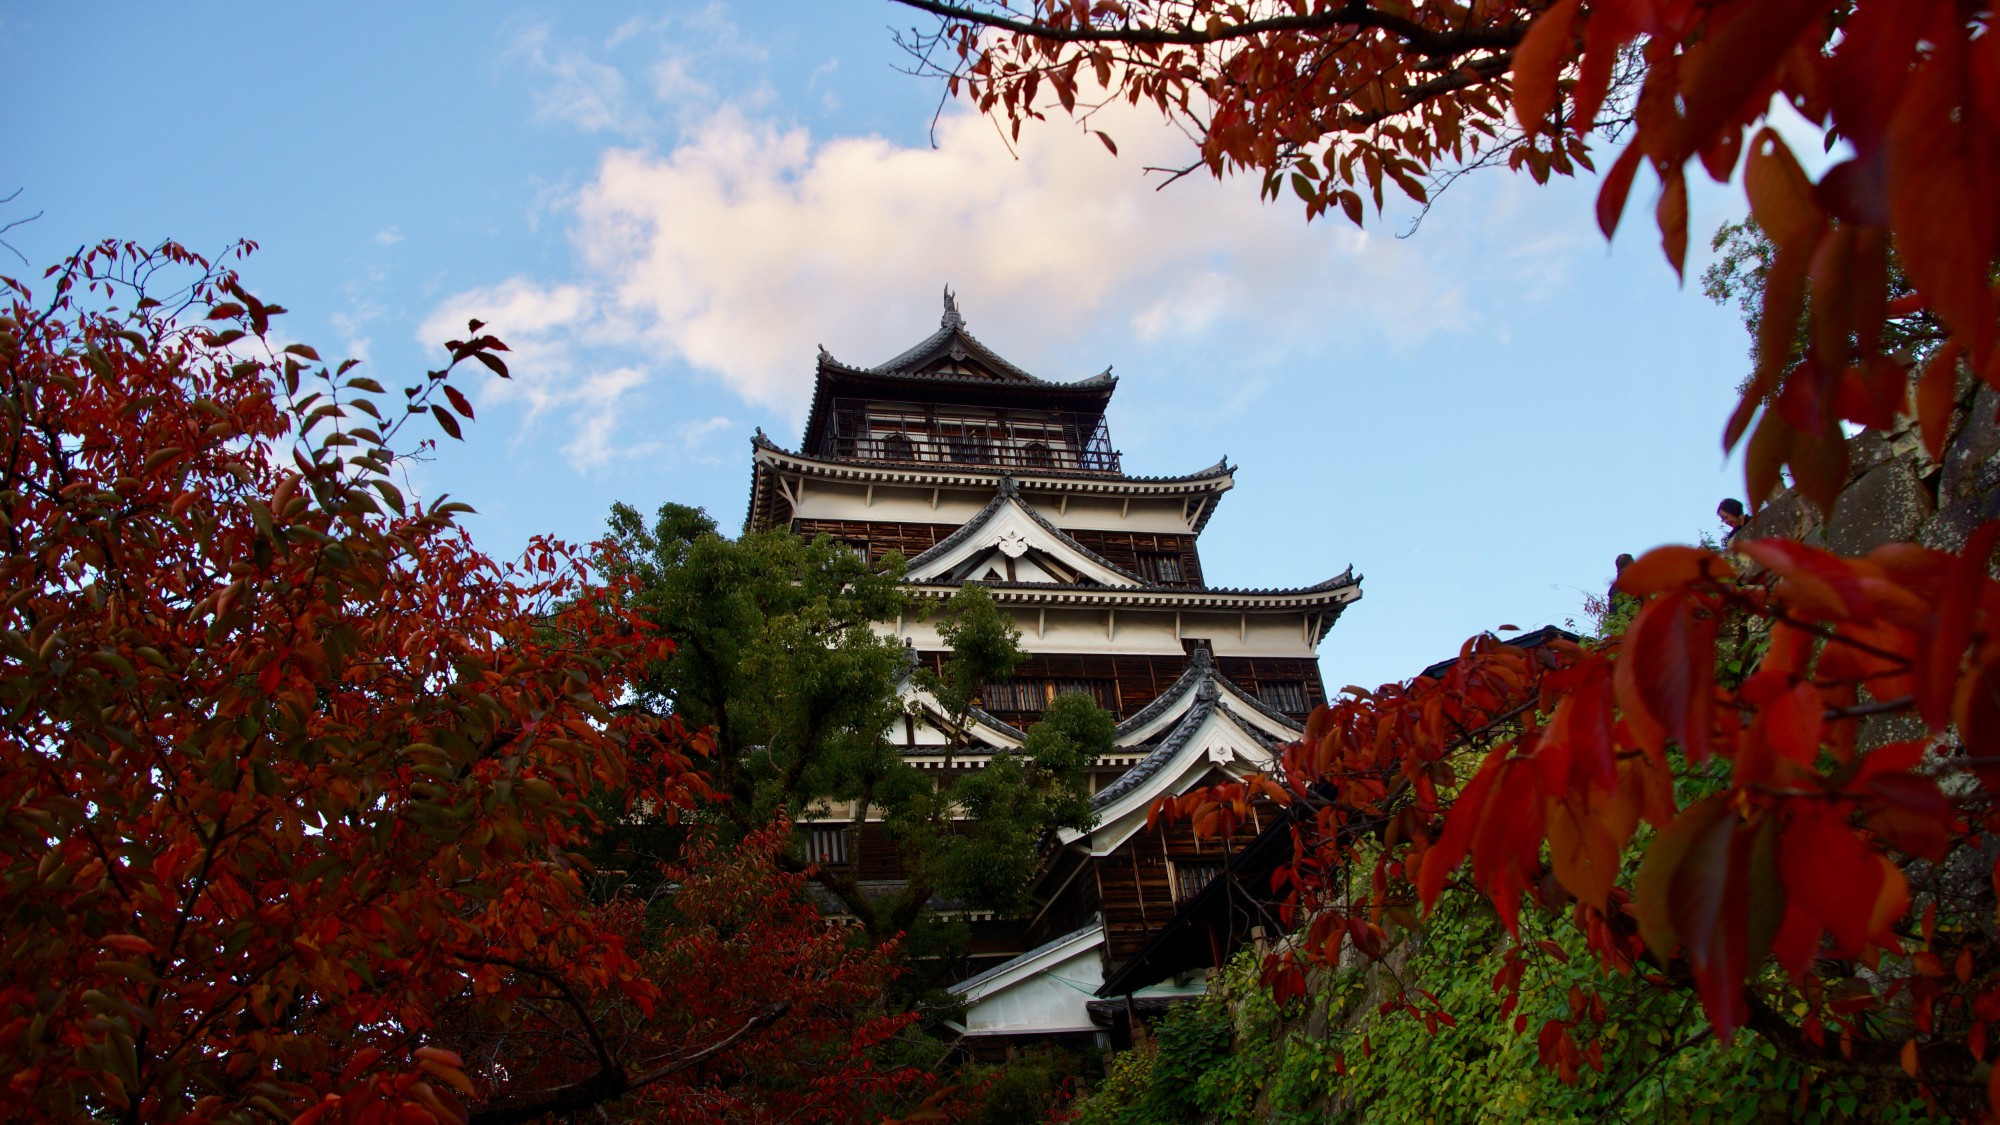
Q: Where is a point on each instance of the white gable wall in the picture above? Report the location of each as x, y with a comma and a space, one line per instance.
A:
1052, 999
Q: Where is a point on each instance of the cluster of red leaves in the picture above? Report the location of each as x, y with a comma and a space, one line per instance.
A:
745, 936
288, 770
1912, 86
1798, 835
764, 1011
1335, 95
1330, 99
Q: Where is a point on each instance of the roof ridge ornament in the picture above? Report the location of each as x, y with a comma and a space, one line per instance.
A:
951, 317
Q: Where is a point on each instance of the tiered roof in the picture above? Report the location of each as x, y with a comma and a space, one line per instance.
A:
953, 365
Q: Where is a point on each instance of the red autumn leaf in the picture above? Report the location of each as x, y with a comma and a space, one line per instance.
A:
1537, 62
1583, 852
1617, 186
1910, 814
1732, 62
1941, 190
1670, 651
1668, 568
1652, 896
1465, 817
1817, 580
1937, 391
1793, 722
1950, 627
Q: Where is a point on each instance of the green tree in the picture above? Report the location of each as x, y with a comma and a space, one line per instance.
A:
777, 656
984, 647
1741, 273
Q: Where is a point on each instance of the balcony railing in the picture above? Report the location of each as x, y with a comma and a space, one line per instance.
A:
900, 433
961, 451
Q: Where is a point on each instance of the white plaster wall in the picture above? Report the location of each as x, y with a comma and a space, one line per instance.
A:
1053, 999
1137, 632
844, 500
1112, 513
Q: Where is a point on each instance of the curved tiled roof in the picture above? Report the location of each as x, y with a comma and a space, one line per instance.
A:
951, 339
1006, 728
1210, 482
1156, 760
1340, 581
1199, 665
1102, 379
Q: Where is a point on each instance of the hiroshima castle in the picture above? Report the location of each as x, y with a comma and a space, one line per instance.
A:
975, 470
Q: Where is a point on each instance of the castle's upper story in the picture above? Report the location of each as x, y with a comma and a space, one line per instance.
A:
924, 438
974, 470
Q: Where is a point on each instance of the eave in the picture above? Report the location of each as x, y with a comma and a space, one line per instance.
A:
1335, 593
835, 379
769, 461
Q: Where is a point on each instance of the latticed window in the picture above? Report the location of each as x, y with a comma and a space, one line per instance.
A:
1037, 694
1283, 695
826, 845
1098, 690
1191, 877
1158, 567
896, 447
1015, 695
1036, 454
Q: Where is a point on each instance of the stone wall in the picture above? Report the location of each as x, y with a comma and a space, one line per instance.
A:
1896, 493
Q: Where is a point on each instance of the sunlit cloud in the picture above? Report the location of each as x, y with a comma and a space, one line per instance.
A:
737, 250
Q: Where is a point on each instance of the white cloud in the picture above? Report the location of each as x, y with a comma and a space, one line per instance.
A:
576, 89
388, 236
748, 244
738, 250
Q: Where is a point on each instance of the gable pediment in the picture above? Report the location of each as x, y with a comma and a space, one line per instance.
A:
1212, 742
1008, 541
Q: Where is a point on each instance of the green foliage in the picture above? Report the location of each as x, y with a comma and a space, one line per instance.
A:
1011, 803
1742, 269
1031, 1086
1235, 1057
1185, 1074
984, 645
776, 654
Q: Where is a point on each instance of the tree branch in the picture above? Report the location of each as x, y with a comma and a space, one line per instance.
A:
1355, 13
612, 1083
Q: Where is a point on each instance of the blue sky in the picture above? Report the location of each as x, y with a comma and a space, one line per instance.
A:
666, 207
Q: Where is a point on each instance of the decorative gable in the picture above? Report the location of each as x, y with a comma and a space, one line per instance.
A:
1008, 541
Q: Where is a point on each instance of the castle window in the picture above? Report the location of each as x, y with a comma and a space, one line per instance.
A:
1283, 695
826, 845
969, 449
1036, 454
896, 447
1190, 877
1162, 568
1035, 695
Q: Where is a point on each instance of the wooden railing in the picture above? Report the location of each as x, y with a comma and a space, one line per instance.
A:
1029, 455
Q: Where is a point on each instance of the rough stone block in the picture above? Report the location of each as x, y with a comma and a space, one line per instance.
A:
1787, 516
1972, 459
1952, 525
1866, 450
1886, 505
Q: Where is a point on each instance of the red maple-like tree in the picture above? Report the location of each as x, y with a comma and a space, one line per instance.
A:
1793, 841
294, 780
